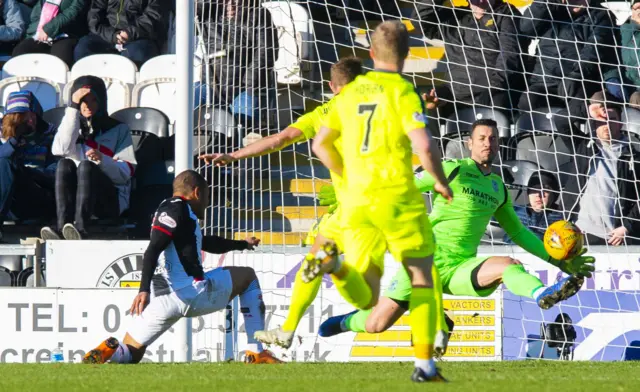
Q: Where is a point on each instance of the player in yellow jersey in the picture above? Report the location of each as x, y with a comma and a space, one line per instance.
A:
305, 128
378, 118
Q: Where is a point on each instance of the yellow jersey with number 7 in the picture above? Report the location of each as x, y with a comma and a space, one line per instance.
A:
373, 114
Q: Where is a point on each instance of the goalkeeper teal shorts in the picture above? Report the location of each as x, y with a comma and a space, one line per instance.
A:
456, 280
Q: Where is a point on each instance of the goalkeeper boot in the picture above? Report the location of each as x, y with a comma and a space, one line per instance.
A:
420, 376
325, 261
264, 357
102, 353
277, 336
563, 290
334, 325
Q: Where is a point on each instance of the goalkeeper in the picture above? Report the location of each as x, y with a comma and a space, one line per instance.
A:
458, 228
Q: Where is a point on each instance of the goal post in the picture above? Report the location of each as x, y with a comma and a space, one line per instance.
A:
185, 14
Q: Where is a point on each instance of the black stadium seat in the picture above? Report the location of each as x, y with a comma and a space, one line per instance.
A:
516, 175
144, 119
458, 128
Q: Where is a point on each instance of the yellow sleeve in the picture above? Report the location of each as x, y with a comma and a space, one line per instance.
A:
411, 110
310, 123
332, 117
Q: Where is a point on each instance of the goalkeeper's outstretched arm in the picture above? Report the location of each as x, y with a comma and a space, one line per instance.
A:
527, 240
267, 145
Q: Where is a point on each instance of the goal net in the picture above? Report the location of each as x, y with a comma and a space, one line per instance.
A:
264, 64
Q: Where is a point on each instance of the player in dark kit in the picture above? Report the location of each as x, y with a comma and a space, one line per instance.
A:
182, 288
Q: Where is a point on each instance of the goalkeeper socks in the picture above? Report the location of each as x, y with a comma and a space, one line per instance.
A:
301, 298
122, 355
422, 308
519, 281
252, 308
352, 286
356, 322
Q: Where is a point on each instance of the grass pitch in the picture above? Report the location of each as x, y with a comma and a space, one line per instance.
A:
308, 377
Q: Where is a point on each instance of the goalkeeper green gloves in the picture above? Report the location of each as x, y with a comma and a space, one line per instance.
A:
327, 197
580, 265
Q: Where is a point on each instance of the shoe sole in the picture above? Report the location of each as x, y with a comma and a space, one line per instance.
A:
95, 356
568, 290
70, 233
277, 342
311, 269
49, 235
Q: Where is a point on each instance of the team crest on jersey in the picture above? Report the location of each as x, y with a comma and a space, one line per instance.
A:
420, 117
167, 220
494, 183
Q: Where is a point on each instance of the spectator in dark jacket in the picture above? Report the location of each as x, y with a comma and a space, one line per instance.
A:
27, 166
242, 46
94, 176
623, 82
609, 205
136, 29
12, 26
482, 48
542, 210
55, 28
576, 48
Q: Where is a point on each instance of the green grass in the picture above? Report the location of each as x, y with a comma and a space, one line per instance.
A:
307, 377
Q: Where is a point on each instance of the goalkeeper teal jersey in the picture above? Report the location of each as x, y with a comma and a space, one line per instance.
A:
459, 226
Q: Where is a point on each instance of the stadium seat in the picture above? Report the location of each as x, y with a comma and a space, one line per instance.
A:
149, 128
11, 262
26, 278
494, 234
54, 116
6, 278
118, 73
546, 138
457, 129
156, 87
295, 39
145, 119
211, 124
516, 175
153, 184
42, 74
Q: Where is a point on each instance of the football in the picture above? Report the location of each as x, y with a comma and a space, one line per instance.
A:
563, 240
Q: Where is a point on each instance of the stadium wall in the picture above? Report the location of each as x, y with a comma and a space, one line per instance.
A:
605, 314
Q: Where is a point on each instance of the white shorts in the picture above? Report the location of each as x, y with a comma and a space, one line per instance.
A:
204, 297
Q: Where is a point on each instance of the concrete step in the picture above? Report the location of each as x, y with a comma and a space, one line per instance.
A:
302, 212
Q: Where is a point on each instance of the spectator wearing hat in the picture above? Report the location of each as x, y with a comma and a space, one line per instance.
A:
95, 173
27, 165
542, 210
608, 210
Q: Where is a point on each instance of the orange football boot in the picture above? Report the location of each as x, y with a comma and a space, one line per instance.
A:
102, 353
265, 356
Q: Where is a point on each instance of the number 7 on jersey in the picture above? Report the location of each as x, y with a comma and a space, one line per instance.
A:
369, 109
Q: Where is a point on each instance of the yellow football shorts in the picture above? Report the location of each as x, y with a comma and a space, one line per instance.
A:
369, 230
330, 227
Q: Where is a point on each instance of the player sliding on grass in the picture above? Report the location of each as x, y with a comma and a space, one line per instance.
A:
182, 288
458, 227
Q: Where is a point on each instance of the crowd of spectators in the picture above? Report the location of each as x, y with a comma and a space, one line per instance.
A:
85, 167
